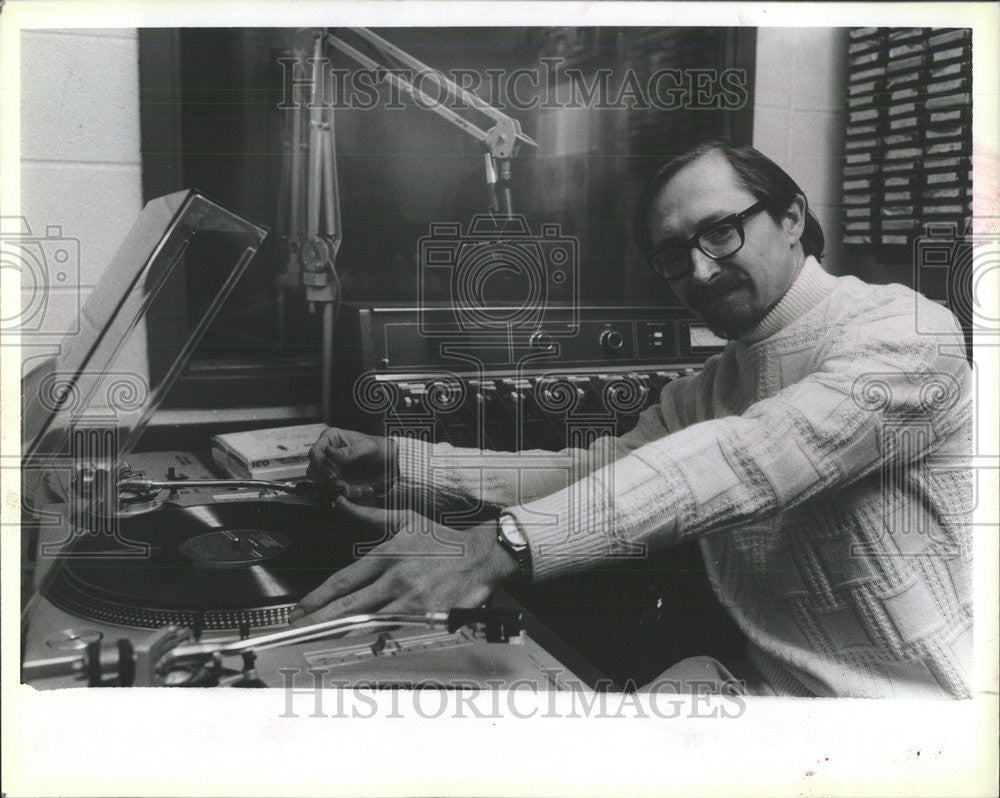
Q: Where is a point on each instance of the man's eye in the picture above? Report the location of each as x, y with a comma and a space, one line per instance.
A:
667, 253
718, 235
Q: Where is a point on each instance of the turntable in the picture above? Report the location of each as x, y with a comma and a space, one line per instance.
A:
143, 567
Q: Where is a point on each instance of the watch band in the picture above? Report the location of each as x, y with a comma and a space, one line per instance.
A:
509, 536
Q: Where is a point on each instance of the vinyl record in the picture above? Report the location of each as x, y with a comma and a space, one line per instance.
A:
219, 566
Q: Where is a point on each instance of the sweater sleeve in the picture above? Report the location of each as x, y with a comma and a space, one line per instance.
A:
875, 381
443, 477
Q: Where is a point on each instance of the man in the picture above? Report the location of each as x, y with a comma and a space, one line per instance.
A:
818, 460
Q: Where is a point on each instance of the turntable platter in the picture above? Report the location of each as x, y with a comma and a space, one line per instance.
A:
219, 566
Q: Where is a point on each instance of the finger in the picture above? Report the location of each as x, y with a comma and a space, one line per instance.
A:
474, 597
405, 605
324, 454
368, 599
319, 476
339, 455
327, 439
332, 436
345, 581
356, 492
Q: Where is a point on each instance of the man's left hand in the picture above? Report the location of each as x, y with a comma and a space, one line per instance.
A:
423, 567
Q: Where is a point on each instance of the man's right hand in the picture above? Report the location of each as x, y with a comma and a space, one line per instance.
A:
361, 465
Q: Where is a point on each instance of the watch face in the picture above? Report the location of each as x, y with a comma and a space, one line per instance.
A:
512, 532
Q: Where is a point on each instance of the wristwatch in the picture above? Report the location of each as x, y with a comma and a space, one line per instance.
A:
510, 536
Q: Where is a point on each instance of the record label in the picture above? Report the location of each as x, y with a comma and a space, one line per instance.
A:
226, 548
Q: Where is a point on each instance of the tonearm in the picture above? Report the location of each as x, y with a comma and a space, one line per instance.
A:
123, 491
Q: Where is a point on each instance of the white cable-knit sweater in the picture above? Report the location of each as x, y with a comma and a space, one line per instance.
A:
821, 460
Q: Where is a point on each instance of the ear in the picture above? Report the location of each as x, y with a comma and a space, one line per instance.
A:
794, 220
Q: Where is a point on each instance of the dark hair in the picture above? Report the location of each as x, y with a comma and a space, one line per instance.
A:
759, 175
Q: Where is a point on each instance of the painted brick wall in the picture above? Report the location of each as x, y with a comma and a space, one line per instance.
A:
80, 159
799, 117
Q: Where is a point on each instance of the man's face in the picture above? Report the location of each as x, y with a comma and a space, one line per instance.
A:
734, 293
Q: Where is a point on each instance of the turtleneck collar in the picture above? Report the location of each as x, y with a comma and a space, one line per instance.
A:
808, 289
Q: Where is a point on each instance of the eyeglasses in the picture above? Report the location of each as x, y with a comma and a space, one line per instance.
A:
719, 240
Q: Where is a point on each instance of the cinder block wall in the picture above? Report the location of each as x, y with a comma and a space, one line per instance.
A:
80, 158
799, 117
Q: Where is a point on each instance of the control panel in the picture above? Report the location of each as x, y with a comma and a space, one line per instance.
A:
509, 386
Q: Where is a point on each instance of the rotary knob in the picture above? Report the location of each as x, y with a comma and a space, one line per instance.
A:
541, 340
612, 339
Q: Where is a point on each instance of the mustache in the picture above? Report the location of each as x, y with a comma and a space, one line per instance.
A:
701, 294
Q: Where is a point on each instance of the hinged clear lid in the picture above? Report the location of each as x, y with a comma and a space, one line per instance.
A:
103, 386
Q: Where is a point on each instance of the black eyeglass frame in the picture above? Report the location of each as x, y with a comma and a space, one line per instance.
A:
735, 220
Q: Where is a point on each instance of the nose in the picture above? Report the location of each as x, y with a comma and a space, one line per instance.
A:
703, 268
